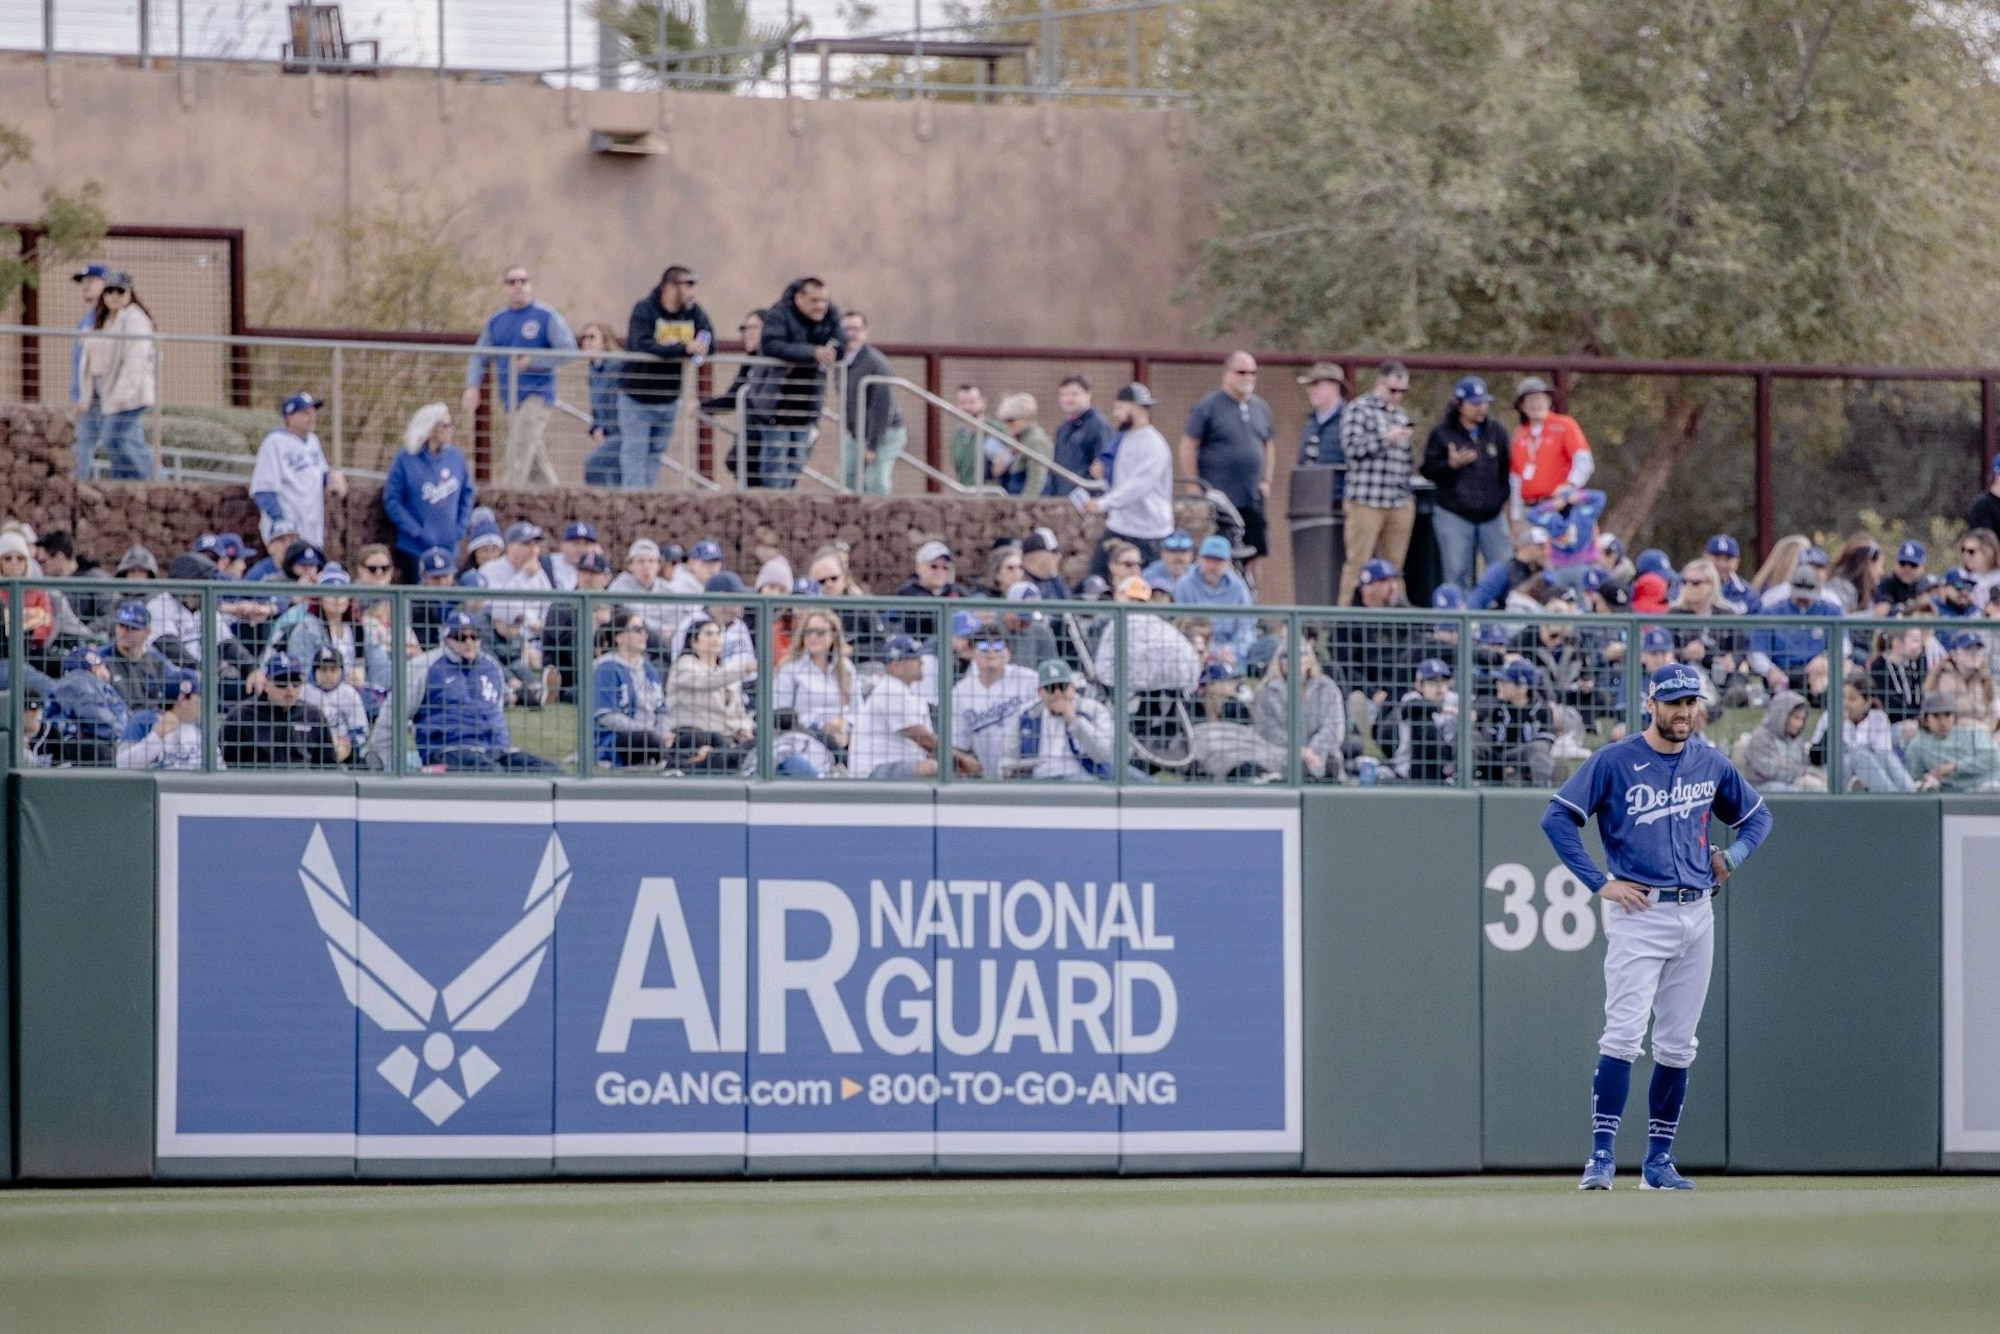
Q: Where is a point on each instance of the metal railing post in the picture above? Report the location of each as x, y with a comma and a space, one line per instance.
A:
1295, 696
947, 661
17, 687
399, 682
1831, 713
582, 658
211, 680
1635, 677
1121, 750
1466, 742
1766, 506
767, 705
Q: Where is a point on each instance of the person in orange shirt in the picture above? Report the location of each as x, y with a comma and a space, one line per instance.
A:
1550, 456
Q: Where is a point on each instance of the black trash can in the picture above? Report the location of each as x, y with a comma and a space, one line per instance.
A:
1423, 568
1319, 542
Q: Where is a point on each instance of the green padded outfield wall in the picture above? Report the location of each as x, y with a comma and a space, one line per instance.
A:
84, 885
1542, 1006
1392, 967
1834, 989
6, 974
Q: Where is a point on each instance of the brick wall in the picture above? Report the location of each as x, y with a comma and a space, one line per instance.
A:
36, 463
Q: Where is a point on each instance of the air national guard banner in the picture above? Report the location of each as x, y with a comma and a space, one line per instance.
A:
457, 979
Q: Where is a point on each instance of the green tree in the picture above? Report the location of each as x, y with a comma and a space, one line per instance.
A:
1737, 179
709, 44
71, 225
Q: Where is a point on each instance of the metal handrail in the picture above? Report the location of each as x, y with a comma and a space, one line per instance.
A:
966, 418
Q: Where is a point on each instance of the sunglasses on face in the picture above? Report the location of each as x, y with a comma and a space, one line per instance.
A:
1396, 391
1055, 690
989, 645
463, 636
517, 282
818, 630
376, 569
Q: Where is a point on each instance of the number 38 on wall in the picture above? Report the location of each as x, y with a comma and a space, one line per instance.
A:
1567, 923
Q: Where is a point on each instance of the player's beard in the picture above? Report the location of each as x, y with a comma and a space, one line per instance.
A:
1676, 732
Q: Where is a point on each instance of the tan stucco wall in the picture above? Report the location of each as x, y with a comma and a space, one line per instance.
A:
988, 225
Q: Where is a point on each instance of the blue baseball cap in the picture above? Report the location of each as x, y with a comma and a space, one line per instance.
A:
283, 667
1216, 548
1611, 545
576, 530
725, 581
965, 623
82, 657
1654, 561
593, 562
1375, 571
1910, 552
1722, 544
174, 684
1471, 389
1179, 540
1448, 597
208, 544
299, 402
283, 528
484, 534
1521, 672
1595, 578
672, 554
1673, 681
901, 648
90, 271
334, 574
435, 562
460, 619
523, 531
1958, 578
1215, 669
471, 579
1433, 669
1814, 556
706, 549
805, 588
1963, 639
230, 547
1491, 633
134, 616
1656, 640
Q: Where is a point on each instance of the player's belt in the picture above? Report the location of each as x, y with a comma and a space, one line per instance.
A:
1681, 895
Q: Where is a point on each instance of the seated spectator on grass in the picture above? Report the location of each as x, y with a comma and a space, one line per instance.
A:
519, 566
461, 723
1965, 675
137, 563
167, 736
1854, 577
1003, 570
435, 571
333, 620
1733, 591
1950, 753
428, 494
563, 645
1377, 657
89, 711
632, 731
279, 730
1322, 716
1063, 736
1424, 731
302, 565
1214, 582
987, 702
1775, 754
1782, 656
136, 670
1041, 561
484, 545
1867, 743
1516, 730
934, 576
1896, 676
1160, 656
1531, 556
1901, 585
1571, 673
1979, 556
892, 733
739, 646
1029, 636
815, 685
578, 537
1653, 582
1955, 596
38, 738
642, 575
712, 728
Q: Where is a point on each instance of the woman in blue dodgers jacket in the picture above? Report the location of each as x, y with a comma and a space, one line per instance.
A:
1652, 795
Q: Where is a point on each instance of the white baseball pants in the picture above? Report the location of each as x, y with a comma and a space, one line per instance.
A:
1656, 963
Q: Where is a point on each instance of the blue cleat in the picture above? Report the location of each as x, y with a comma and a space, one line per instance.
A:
1659, 1173
1597, 1173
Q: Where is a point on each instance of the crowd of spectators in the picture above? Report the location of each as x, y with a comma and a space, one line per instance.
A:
302, 665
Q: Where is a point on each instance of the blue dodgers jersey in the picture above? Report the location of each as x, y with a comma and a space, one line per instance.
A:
1652, 809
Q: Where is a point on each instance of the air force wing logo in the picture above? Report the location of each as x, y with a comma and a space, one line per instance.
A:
381, 985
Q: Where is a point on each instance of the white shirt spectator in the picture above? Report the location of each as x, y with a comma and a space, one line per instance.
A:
171, 617
1161, 656
661, 618
1140, 502
502, 574
813, 694
179, 749
890, 709
345, 713
296, 471
1062, 749
984, 718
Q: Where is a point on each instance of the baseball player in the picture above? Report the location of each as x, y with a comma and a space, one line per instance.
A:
1652, 795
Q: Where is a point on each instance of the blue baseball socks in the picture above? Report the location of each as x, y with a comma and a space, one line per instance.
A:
1663, 1107
1609, 1088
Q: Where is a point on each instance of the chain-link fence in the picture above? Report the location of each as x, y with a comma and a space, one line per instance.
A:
493, 671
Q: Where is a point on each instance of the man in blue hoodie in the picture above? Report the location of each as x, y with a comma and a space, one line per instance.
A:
462, 721
1213, 583
524, 385
428, 493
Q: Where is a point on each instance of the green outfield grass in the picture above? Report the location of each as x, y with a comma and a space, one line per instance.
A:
1491, 1253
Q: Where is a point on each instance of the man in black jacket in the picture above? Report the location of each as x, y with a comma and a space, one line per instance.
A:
1467, 458
803, 330
277, 730
875, 433
667, 323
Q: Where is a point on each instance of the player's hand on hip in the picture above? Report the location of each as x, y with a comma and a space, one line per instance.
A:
1718, 865
1631, 897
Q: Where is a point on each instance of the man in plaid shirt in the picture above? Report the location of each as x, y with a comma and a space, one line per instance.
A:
1375, 435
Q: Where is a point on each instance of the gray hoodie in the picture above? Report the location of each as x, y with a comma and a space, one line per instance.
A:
1770, 757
